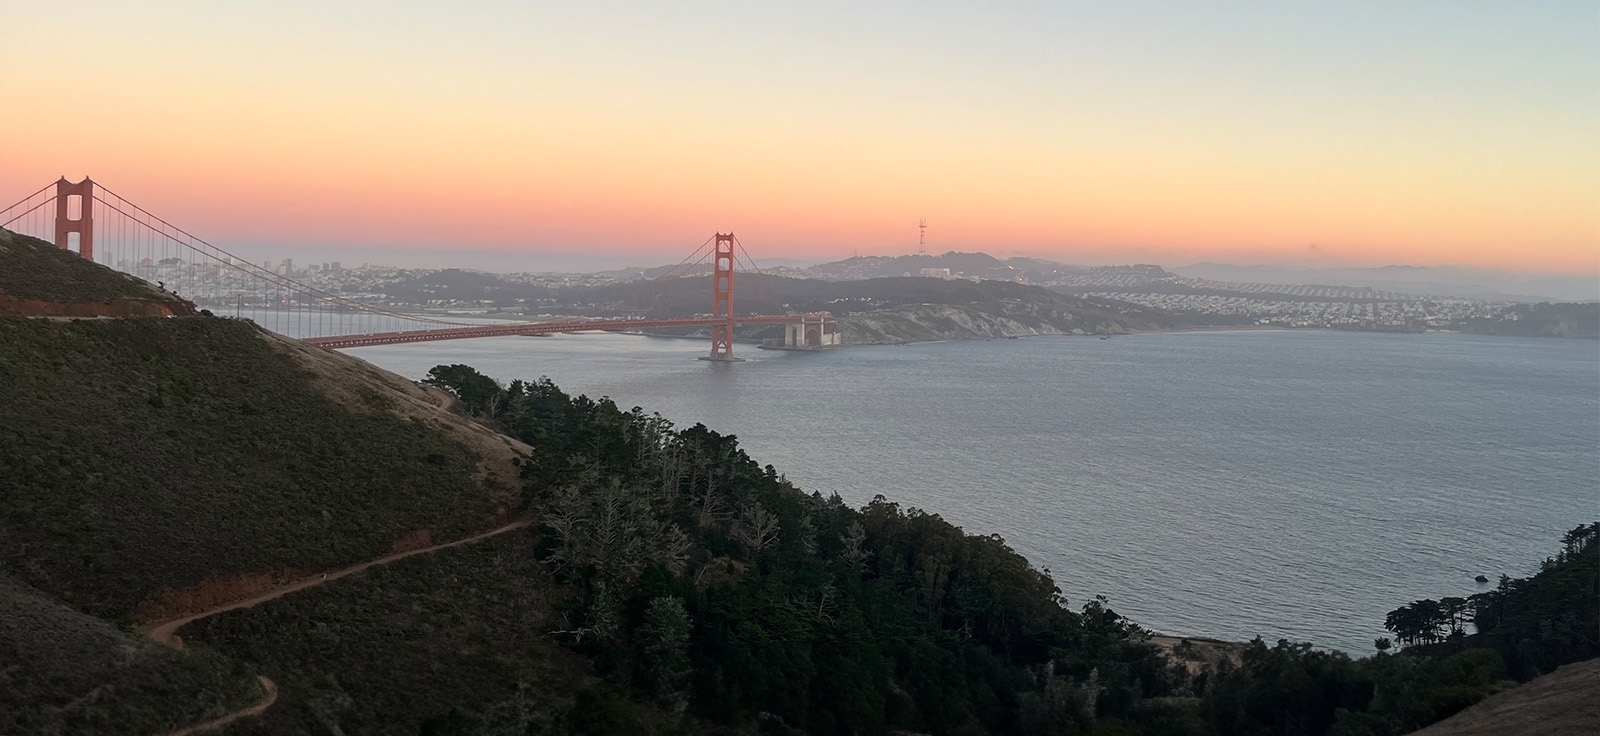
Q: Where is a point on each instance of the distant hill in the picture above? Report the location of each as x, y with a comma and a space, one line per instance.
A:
39, 279
959, 265
1436, 281
988, 308
1400, 281
895, 309
1539, 320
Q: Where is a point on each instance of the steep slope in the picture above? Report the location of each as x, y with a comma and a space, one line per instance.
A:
41, 280
460, 636
155, 466
63, 672
362, 387
1562, 702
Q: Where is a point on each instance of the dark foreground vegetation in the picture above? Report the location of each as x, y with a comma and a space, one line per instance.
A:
452, 642
704, 592
64, 672
672, 585
1526, 627
143, 454
701, 581
33, 269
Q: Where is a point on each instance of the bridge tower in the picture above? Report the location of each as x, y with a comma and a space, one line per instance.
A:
722, 301
83, 224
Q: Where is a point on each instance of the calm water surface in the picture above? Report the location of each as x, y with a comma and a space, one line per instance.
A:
1226, 484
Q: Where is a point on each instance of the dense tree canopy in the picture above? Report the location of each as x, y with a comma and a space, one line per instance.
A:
712, 586
712, 582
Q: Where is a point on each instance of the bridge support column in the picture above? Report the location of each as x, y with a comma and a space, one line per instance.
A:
83, 224
722, 301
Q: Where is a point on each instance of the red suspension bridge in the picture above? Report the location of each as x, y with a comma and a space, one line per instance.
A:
102, 226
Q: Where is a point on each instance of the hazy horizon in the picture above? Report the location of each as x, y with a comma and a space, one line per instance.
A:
503, 261
1360, 134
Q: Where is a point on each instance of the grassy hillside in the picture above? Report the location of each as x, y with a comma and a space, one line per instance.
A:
32, 270
62, 672
151, 454
454, 640
1560, 703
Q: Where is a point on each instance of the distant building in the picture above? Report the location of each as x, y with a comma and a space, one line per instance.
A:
936, 273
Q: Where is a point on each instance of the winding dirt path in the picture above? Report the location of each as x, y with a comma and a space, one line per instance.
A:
271, 696
166, 631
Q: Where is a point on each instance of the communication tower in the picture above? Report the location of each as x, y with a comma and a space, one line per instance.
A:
922, 236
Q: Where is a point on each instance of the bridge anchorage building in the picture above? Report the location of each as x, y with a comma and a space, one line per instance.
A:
813, 331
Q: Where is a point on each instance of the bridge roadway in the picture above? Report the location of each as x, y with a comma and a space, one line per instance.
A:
535, 328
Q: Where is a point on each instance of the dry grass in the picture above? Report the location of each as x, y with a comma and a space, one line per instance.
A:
1197, 654
1566, 701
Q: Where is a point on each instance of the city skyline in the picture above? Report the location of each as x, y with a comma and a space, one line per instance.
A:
1363, 135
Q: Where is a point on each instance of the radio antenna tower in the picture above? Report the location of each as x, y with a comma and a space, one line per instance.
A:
922, 236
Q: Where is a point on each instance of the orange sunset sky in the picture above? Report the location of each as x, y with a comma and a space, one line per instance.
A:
1361, 133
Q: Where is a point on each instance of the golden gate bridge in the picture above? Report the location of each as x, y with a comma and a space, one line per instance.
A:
106, 228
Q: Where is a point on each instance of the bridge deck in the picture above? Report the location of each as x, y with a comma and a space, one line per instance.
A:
534, 328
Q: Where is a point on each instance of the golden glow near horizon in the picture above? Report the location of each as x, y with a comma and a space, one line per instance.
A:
1361, 134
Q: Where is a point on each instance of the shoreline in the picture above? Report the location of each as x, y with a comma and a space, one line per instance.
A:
1160, 331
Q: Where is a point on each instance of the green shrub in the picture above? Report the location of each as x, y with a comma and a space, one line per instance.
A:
141, 454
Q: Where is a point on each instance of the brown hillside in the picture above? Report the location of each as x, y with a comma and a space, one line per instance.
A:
1566, 701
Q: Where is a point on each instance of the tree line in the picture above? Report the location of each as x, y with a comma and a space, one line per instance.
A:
712, 586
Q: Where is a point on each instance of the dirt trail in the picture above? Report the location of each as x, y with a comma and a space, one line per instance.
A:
271, 696
166, 631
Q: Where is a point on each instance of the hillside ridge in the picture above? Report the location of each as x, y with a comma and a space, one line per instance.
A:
38, 279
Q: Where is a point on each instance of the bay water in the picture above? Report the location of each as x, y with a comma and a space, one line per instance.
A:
1282, 484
